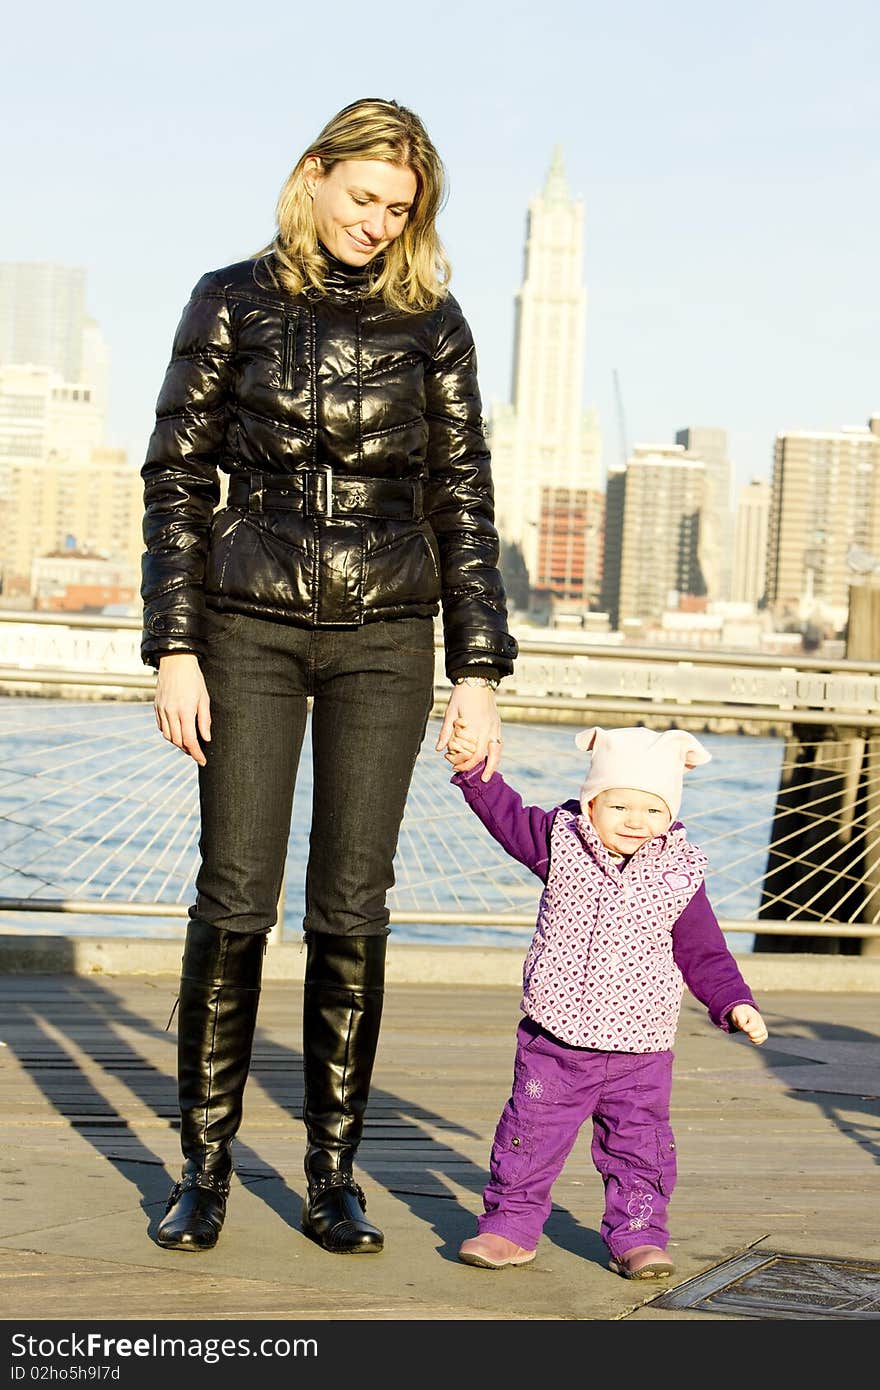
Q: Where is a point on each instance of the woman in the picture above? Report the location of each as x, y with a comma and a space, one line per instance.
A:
333, 378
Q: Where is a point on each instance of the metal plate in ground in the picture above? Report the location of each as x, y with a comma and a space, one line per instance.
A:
769, 1285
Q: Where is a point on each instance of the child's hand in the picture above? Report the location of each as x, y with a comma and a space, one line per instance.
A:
476, 707
750, 1022
461, 745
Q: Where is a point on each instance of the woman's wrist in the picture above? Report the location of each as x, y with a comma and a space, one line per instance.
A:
485, 681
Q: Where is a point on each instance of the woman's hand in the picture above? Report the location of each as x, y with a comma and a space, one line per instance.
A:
182, 705
473, 708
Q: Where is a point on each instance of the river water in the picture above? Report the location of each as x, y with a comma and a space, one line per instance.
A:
95, 806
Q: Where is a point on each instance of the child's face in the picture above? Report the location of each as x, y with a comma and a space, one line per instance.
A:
626, 819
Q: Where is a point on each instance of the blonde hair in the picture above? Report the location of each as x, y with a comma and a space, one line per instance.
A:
414, 272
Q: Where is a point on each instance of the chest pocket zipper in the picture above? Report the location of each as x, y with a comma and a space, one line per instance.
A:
288, 351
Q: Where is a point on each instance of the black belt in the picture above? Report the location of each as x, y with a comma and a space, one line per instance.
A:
322, 492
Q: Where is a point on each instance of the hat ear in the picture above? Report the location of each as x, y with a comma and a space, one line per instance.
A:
588, 738
692, 752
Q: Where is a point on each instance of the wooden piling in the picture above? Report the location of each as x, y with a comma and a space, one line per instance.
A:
824, 861
863, 644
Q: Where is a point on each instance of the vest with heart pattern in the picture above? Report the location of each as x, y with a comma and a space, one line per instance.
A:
600, 972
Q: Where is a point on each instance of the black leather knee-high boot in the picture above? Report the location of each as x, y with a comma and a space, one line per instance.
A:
342, 1010
217, 1014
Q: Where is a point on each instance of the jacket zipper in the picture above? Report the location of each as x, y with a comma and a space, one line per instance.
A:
358, 309
288, 354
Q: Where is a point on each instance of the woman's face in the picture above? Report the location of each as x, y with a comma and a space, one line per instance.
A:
360, 205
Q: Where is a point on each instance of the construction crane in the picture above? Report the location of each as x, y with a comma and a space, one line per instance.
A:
621, 419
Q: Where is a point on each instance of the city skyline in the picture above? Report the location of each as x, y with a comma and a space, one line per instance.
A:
727, 165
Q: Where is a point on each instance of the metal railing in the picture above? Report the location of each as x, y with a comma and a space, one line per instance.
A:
665, 682
98, 816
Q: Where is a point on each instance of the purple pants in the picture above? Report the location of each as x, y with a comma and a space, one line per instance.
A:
556, 1088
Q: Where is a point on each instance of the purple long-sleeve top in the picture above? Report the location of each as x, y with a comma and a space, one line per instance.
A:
699, 949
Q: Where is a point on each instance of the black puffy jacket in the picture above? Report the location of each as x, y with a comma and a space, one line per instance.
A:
360, 484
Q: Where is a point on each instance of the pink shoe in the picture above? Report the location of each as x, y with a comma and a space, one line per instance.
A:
643, 1262
493, 1252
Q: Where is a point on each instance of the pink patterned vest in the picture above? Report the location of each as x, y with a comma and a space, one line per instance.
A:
599, 971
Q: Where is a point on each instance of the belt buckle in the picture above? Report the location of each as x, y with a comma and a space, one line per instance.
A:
328, 483
255, 492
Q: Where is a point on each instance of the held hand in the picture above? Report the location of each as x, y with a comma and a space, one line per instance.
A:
182, 706
461, 746
750, 1022
473, 707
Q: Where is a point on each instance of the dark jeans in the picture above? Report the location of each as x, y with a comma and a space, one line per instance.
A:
372, 689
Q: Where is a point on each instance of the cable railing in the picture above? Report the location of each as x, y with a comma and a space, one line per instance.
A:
99, 815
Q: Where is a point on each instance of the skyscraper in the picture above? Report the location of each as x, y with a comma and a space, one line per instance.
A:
652, 534
750, 543
546, 448
43, 316
709, 445
825, 502
44, 325
60, 488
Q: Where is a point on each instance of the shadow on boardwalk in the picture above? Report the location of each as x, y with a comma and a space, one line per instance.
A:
778, 1149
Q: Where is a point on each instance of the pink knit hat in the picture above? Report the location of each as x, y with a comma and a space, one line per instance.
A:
642, 759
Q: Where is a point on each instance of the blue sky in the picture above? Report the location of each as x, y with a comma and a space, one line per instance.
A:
728, 158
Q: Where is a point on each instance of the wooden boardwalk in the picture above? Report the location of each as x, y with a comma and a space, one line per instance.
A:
779, 1148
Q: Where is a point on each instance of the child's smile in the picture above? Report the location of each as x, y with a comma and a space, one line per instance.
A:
626, 819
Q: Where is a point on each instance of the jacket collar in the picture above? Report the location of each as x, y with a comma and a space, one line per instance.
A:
348, 281
654, 849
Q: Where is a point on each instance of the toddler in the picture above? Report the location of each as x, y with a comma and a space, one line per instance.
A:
624, 923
